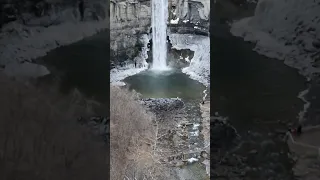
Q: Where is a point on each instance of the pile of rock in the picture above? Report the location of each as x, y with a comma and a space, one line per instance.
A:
162, 104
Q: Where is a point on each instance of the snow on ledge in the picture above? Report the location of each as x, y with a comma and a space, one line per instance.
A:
174, 21
117, 75
21, 43
285, 30
191, 160
199, 68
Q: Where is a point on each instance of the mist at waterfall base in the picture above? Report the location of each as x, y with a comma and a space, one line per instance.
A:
159, 35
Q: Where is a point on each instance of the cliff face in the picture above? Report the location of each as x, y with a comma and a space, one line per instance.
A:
128, 20
190, 10
189, 16
131, 18
283, 30
31, 28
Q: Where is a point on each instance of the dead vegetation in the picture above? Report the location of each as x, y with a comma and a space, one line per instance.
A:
133, 139
41, 140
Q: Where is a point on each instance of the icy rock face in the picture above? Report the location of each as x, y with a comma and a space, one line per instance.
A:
199, 68
118, 73
189, 10
37, 28
128, 20
287, 30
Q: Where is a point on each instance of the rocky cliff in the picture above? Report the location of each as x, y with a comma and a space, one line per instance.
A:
282, 30
31, 28
189, 16
131, 18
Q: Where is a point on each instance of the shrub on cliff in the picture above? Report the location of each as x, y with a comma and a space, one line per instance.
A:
133, 138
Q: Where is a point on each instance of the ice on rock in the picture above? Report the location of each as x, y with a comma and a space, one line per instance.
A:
174, 21
199, 68
286, 30
191, 160
119, 73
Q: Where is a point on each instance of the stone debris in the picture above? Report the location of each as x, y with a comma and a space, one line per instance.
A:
162, 104
176, 145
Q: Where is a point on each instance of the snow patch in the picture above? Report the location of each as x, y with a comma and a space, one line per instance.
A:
191, 160
207, 164
199, 68
306, 106
117, 74
286, 30
195, 126
187, 59
195, 133
185, 21
20, 43
174, 21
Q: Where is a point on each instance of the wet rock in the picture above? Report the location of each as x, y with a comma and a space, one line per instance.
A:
204, 154
162, 104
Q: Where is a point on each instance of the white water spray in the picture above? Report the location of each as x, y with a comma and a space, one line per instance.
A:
159, 34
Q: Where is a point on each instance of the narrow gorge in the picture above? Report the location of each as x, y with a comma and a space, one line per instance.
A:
168, 64
81, 79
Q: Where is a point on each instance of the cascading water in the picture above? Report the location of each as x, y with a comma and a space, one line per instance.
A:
159, 34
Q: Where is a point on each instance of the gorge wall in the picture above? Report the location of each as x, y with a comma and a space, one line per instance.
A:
132, 18
128, 21
31, 28
283, 30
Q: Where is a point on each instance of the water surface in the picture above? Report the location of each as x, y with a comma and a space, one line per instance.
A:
83, 65
166, 84
259, 95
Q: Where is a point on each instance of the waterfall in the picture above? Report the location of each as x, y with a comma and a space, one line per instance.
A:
159, 34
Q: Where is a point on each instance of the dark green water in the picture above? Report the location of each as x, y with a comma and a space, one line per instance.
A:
166, 84
259, 95
83, 65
